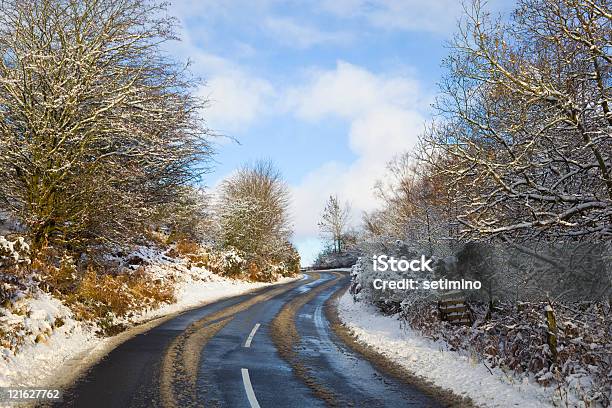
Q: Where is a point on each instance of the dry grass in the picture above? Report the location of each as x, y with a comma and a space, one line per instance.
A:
197, 255
254, 271
185, 247
102, 295
57, 279
99, 296
98, 293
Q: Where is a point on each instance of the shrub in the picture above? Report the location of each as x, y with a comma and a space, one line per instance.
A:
99, 296
61, 279
186, 248
14, 260
13, 254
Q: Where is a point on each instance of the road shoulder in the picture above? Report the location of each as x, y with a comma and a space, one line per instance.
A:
384, 363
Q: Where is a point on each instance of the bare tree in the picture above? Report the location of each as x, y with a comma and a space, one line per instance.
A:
417, 204
98, 127
334, 222
526, 131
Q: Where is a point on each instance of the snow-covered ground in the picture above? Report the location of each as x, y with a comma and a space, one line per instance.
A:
434, 362
59, 344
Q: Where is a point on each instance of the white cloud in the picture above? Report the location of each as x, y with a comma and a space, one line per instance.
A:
235, 100
236, 96
385, 119
350, 91
288, 32
414, 15
437, 16
383, 132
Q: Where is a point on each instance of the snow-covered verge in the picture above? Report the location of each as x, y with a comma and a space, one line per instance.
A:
50, 336
562, 344
433, 360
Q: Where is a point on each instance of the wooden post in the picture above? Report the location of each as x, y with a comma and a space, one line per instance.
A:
552, 331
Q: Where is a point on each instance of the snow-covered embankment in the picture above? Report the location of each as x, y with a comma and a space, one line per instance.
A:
432, 361
56, 346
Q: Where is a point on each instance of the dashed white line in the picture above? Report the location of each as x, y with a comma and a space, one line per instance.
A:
249, 389
249, 339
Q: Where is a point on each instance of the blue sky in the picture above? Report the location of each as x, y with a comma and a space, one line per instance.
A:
329, 90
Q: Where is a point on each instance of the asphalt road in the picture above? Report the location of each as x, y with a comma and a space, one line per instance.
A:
270, 348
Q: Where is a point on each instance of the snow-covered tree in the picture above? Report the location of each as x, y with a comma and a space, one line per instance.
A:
98, 128
254, 213
334, 222
417, 206
526, 122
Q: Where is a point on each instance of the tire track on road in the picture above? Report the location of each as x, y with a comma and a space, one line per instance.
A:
179, 369
286, 338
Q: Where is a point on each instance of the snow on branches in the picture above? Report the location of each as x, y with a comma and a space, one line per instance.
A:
98, 127
525, 136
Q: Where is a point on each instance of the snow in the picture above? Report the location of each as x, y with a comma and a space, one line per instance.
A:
55, 343
209, 288
334, 269
37, 361
13, 249
433, 361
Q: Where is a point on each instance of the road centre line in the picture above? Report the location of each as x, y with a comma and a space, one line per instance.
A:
249, 339
249, 389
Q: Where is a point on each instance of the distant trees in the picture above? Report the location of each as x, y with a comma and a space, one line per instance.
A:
98, 129
254, 215
334, 222
417, 205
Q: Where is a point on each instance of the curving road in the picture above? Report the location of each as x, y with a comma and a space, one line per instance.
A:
270, 348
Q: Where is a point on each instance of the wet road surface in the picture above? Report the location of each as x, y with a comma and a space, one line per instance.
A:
270, 348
